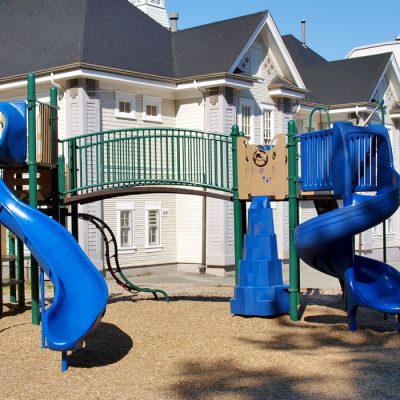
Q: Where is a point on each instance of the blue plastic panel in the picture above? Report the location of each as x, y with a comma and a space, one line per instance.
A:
316, 159
13, 139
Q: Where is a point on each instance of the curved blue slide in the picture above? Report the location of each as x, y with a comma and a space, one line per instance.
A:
81, 293
360, 160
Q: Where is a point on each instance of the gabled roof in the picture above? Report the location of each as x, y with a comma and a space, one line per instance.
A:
301, 55
43, 35
212, 48
344, 81
336, 82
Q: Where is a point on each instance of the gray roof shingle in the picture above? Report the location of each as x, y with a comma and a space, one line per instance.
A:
344, 81
212, 48
40, 35
301, 55
336, 82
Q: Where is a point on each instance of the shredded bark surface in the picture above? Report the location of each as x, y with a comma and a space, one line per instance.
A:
193, 348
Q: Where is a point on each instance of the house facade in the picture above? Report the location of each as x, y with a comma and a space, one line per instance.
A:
135, 72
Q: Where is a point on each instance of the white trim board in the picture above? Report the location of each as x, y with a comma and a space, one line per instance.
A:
270, 23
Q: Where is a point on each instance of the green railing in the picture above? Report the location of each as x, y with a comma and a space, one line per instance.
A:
152, 156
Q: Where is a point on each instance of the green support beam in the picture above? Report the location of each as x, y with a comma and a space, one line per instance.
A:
32, 169
237, 206
294, 275
21, 273
55, 198
12, 275
384, 244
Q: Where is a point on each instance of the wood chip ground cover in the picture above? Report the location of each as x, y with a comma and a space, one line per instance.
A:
193, 348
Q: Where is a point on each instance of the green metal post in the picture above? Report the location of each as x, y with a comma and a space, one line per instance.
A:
11, 252
72, 179
237, 206
61, 186
55, 198
382, 106
294, 278
20, 273
32, 169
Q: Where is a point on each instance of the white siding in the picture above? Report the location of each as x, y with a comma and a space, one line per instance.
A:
189, 229
190, 114
83, 116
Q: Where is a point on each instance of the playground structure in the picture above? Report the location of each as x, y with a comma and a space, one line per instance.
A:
114, 163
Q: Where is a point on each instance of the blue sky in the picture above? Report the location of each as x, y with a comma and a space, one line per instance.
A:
333, 28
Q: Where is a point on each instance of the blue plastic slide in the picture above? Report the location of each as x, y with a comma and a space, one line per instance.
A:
81, 293
349, 159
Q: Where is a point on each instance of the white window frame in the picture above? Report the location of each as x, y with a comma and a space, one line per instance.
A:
150, 207
127, 98
270, 108
244, 102
125, 206
152, 101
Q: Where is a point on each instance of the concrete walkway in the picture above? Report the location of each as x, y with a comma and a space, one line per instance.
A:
309, 278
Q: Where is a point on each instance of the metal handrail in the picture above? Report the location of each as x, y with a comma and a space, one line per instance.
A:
148, 156
326, 110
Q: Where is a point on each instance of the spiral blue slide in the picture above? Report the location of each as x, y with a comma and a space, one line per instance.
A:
81, 293
348, 160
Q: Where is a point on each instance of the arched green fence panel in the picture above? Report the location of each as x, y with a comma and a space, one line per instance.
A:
148, 156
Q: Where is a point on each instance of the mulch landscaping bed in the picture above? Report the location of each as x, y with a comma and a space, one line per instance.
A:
193, 348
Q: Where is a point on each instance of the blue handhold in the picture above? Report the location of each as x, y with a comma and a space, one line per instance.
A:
261, 291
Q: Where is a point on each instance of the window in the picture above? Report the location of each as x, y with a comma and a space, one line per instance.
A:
125, 105
125, 218
153, 226
246, 114
151, 108
125, 231
267, 124
376, 230
390, 229
246, 120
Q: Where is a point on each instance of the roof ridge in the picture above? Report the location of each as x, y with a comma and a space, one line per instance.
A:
220, 22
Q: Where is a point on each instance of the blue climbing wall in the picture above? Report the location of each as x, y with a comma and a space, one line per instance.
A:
261, 291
